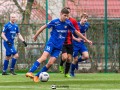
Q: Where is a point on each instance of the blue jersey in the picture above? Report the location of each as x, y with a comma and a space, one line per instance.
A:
10, 31
83, 29
59, 31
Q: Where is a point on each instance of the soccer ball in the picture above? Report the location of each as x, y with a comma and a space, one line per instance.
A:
44, 76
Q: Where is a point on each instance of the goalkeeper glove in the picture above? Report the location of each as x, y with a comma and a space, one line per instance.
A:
25, 43
9, 44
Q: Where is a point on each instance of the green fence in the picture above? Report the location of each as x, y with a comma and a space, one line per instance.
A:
105, 51
96, 62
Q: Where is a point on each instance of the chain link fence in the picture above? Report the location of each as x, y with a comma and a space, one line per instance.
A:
96, 33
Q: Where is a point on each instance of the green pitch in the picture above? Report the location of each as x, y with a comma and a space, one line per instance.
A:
86, 81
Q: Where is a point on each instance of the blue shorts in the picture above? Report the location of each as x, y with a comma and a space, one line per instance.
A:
79, 49
50, 48
10, 50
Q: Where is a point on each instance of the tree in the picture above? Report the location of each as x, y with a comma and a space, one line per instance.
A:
25, 20
27, 12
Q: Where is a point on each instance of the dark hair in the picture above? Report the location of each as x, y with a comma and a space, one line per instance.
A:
68, 8
65, 11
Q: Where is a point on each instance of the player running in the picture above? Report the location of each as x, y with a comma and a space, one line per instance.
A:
67, 49
78, 44
60, 27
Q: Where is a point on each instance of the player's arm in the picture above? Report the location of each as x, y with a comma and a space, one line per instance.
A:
3, 36
39, 31
75, 24
76, 39
83, 37
3, 33
73, 30
22, 39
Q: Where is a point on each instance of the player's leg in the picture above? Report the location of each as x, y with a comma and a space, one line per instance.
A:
67, 65
69, 59
73, 66
63, 59
5, 65
7, 58
84, 55
37, 64
44, 68
54, 56
75, 59
47, 51
13, 62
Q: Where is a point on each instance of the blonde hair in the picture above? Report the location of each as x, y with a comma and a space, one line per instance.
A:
84, 15
12, 14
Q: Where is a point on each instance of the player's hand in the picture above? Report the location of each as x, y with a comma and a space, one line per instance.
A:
9, 44
25, 43
90, 42
35, 37
79, 39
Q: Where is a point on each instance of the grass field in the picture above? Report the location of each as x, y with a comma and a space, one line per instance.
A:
104, 81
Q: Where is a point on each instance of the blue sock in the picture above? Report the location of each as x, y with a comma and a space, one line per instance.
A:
5, 65
13, 62
44, 69
80, 59
72, 69
34, 67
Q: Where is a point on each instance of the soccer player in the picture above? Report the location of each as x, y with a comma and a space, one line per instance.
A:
78, 44
9, 33
60, 27
67, 49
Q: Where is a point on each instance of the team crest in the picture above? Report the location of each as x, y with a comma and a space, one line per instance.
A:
65, 26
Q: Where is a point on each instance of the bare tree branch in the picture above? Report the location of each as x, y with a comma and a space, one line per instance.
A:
16, 3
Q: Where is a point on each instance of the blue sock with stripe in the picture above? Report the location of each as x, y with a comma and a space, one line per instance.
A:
44, 69
72, 69
80, 59
35, 66
13, 62
5, 65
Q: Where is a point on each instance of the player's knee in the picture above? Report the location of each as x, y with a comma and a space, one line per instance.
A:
86, 57
64, 57
8, 57
16, 56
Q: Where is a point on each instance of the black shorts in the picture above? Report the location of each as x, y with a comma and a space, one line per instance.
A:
67, 49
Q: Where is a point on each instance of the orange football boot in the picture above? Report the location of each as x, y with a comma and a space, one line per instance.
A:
29, 74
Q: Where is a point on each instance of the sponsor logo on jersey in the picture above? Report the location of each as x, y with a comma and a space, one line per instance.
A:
62, 31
